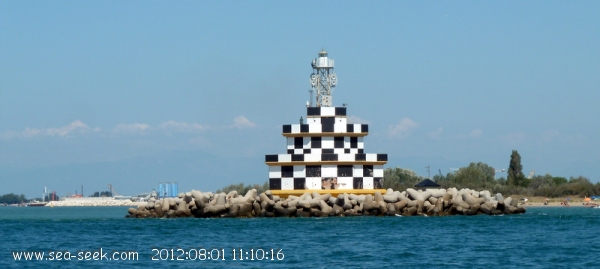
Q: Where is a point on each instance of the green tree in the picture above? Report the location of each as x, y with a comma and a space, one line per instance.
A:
538, 182
242, 190
400, 178
102, 194
515, 170
476, 175
559, 180
233, 187
12, 198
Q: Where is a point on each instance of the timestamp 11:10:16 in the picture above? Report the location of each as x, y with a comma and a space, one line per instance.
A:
257, 254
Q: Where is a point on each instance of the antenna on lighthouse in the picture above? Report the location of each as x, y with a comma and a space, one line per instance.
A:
322, 80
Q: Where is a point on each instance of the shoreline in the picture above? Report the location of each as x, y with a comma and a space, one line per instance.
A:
94, 203
538, 201
554, 205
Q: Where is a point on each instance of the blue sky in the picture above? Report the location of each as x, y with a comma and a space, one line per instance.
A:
98, 92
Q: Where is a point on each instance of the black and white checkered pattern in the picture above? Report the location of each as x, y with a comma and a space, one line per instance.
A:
348, 177
339, 144
325, 111
324, 157
326, 120
325, 127
325, 153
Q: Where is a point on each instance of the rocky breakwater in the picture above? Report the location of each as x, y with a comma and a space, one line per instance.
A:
438, 202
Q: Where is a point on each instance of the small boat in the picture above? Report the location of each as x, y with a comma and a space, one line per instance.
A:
37, 203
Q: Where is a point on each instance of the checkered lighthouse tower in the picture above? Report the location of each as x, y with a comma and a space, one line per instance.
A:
326, 153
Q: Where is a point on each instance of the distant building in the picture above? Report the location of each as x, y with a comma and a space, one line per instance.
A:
427, 184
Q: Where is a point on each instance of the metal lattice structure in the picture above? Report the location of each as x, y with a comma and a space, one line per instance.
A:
322, 80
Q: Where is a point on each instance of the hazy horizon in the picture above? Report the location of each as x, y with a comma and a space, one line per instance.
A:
133, 94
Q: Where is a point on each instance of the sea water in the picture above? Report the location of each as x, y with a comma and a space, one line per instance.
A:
544, 237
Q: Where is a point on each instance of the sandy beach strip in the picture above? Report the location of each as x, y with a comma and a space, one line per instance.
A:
552, 205
95, 203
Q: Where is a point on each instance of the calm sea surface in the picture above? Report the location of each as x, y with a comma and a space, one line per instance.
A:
541, 238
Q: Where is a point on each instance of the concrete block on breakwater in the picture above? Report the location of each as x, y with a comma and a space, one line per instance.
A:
436, 202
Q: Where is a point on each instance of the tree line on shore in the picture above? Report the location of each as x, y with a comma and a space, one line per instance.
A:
478, 176
12, 198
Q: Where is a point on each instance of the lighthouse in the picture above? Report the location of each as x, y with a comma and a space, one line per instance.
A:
325, 153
